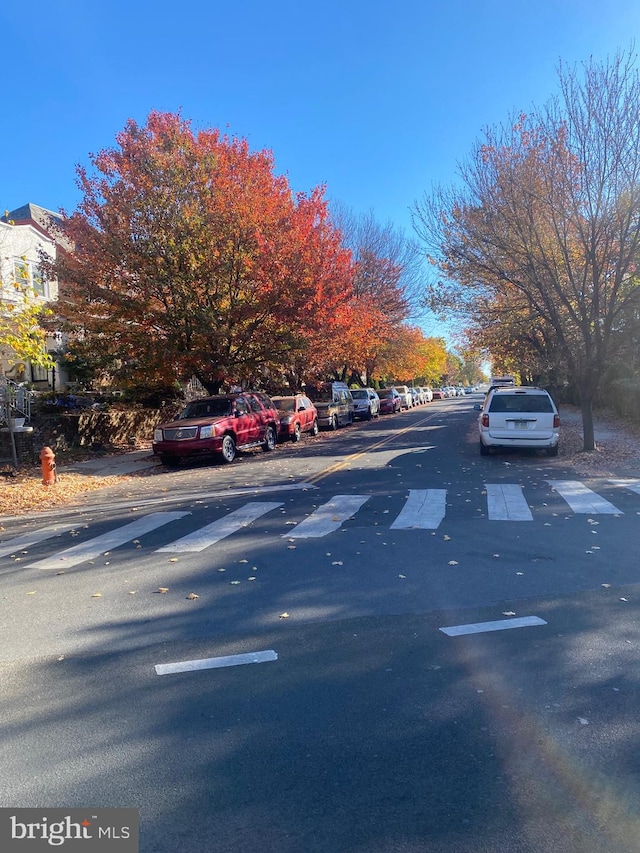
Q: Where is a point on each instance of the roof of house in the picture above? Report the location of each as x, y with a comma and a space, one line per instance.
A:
35, 213
46, 221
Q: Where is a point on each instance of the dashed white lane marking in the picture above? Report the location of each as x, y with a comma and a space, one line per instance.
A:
26, 540
328, 517
95, 547
220, 529
632, 485
581, 499
424, 510
505, 502
215, 663
500, 625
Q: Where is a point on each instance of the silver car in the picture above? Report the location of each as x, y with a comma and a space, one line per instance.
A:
366, 403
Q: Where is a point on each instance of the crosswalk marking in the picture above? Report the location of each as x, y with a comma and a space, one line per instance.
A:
424, 510
632, 485
328, 517
581, 499
499, 625
97, 546
215, 663
223, 527
26, 540
505, 502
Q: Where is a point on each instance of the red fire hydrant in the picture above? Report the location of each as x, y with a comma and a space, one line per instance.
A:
47, 457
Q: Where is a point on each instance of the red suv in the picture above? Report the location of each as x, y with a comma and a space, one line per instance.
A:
220, 425
297, 415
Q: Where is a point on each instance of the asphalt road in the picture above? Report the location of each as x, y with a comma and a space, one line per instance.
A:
367, 727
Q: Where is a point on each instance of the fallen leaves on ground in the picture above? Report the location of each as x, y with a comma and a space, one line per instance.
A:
24, 492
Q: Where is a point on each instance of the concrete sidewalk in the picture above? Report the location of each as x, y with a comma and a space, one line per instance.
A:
112, 466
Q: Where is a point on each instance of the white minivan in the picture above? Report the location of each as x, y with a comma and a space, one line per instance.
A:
518, 416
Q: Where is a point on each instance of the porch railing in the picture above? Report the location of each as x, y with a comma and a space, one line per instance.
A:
14, 398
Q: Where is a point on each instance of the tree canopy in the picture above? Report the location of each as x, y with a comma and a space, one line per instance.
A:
192, 257
543, 232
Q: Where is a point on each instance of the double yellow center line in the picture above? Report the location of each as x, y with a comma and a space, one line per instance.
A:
353, 457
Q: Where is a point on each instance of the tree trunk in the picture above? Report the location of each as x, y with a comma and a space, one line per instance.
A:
587, 393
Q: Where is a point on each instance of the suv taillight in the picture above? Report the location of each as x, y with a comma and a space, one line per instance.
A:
485, 420
556, 421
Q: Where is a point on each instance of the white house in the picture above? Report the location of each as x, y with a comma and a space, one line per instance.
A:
24, 238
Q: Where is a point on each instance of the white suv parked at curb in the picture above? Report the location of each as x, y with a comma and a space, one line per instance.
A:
518, 416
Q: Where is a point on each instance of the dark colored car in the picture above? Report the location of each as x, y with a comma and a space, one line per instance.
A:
218, 426
390, 401
297, 414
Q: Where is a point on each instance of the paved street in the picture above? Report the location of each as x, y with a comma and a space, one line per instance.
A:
445, 649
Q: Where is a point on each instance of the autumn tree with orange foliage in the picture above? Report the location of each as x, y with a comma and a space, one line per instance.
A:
546, 225
192, 257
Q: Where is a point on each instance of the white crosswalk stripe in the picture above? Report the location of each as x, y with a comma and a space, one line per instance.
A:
26, 540
220, 529
328, 517
583, 500
632, 485
505, 502
97, 546
424, 510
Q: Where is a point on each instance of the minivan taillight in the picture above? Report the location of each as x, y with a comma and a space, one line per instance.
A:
485, 420
556, 421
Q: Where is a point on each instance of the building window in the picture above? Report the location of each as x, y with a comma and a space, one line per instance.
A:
28, 274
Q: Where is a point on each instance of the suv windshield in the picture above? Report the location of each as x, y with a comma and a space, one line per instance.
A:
207, 409
285, 404
521, 403
360, 394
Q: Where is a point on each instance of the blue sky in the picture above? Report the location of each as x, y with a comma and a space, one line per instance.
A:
377, 100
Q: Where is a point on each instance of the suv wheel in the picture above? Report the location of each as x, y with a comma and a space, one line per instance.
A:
552, 451
334, 423
484, 450
269, 439
169, 461
228, 452
369, 413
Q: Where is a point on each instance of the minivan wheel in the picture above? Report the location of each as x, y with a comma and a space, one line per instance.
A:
484, 450
334, 423
228, 452
270, 439
552, 451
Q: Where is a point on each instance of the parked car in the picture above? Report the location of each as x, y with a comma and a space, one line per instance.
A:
439, 394
518, 416
366, 403
416, 396
426, 393
334, 403
220, 426
297, 414
390, 401
405, 396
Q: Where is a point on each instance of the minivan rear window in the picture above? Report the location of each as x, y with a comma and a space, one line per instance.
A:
521, 403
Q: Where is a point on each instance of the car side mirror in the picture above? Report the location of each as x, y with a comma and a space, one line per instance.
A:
477, 407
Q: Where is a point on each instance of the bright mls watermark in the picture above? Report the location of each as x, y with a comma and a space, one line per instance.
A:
86, 830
